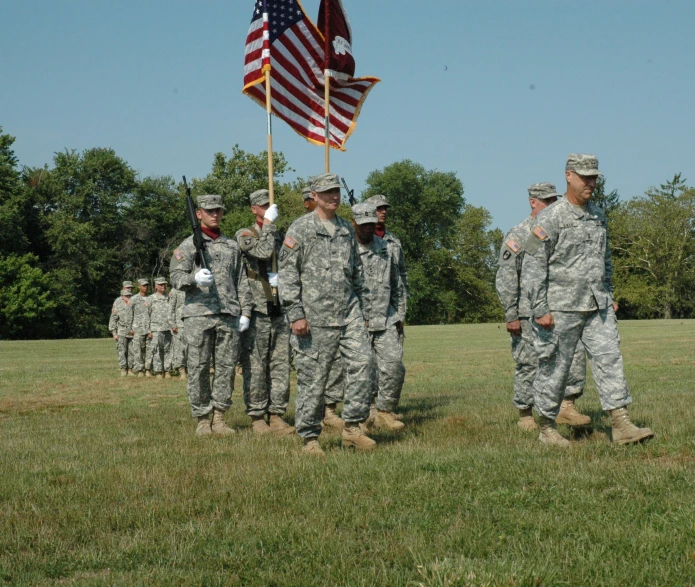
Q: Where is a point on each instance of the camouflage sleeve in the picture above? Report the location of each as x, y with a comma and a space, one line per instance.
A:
507, 282
289, 278
148, 314
261, 248
399, 298
113, 320
244, 289
402, 270
608, 275
173, 302
359, 283
534, 272
182, 267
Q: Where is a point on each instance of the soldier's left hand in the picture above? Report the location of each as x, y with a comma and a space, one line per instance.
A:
244, 323
514, 327
150, 336
175, 330
615, 307
273, 279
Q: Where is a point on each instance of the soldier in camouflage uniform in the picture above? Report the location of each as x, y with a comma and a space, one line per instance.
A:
141, 327
179, 349
160, 330
387, 305
321, 288
217, 308
568, 273
308, 199
265, 346
121, 328
517, 315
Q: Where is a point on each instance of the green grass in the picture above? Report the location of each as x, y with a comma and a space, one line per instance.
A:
104, 483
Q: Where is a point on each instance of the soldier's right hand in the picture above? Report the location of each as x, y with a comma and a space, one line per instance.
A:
514, 327
115, 337
204, 278
546, 321
271, 214
300, 327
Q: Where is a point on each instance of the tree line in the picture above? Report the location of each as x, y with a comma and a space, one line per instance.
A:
72, 231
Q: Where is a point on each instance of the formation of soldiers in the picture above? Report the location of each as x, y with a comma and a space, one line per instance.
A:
555, 283
331, 296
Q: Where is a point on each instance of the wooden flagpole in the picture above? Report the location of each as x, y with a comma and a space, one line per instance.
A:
327, 87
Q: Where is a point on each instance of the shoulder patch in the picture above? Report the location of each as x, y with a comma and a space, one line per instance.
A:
540, 233
283, 254
178, 254
513, 245
248, 241
506, 255
289, 242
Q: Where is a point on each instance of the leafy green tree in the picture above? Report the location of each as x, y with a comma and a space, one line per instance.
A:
608, 202
13, 237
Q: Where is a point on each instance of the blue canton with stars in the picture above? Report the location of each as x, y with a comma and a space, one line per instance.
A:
282, 14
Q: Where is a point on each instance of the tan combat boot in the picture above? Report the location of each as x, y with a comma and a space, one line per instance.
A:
278, 426
219, 426
331, 419
569, 415
131, 373
167, 375
386, 421
372, 415
148, 374
353, 436
203, 428
159, 376
182, 374
549, 434
124, 372
259, 425
624, 431
526, 421
312, 447
141, 374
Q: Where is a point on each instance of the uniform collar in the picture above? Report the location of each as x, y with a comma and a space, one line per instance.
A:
321, 229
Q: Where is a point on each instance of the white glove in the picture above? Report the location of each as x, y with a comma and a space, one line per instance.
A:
272, 279
244, 323
204, 278
271, 213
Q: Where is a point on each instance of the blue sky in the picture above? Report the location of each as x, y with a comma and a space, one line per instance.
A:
526, 83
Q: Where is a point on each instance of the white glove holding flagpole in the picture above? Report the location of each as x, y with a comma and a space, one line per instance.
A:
244, 323
272, 279
204, 278
271, 214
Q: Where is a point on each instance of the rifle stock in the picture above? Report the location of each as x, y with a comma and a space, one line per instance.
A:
198, 240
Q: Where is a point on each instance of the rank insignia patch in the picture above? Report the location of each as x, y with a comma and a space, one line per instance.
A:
289, 242
540, 233
513, 245
178, 254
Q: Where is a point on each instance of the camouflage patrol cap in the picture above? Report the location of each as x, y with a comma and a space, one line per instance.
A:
210, 202
127, 284
260, 198
364, 213
378, 201
143, 282
324, 182
543, 191
161, 281
582, 164
306, 193
126, 292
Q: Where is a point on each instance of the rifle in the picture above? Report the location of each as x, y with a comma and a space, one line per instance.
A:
198, 240
350, 193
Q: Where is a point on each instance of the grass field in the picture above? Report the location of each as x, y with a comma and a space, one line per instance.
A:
104, 483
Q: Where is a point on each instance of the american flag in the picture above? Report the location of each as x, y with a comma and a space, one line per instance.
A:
283, 39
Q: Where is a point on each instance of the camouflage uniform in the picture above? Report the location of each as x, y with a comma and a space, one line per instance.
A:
516, 307
211, 317
179, 349
568, 271
265, 346
321, 280
141, 327
160, 328
121, 324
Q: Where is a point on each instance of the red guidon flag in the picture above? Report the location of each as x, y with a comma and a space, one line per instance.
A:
285, 42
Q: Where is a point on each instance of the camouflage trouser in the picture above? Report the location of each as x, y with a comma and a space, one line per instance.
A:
388, 355
160, 351
124, 344
314, 355
527, 365
265, 362
206, 335
179, 349
598, 331
335, 385
141, 347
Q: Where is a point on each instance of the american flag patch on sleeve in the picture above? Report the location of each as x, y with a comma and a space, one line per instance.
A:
540, 233
513, 245
178, 254
289, 242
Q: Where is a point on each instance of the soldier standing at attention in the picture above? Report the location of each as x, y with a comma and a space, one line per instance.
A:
386, 315
179, 349
265, 346
141, 327
217, 308
160, 330
568, 273
121, 328
517, 315
321, 287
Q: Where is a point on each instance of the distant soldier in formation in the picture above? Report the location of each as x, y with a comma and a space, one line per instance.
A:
217, 308
321, 288
160, 330
179, 350
265, 346
568, 273
121, 328
141, 327
308, 199
518, 313
387, 308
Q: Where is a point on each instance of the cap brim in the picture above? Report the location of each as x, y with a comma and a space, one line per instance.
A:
211, 207
591, 172
366, 220
328, 188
